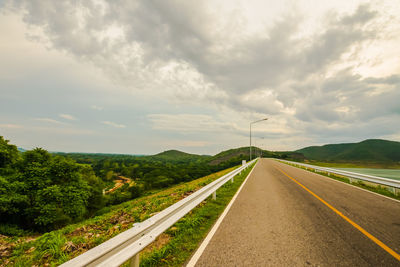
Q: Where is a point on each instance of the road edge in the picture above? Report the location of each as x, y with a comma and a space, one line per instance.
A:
338, 181
196, 256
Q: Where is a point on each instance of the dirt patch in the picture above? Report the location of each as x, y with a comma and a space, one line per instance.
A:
160, 241
6, 249
119, 182
122, 218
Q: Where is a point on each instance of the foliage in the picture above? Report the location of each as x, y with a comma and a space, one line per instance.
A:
40, 191
12, 230
60, 245
9, 155
149, 172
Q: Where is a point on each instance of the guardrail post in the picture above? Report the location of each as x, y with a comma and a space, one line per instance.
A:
393, 189
396, 191
214, 196
135, 261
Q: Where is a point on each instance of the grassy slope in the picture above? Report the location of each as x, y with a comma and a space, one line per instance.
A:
58, 246
177, 244
365, 152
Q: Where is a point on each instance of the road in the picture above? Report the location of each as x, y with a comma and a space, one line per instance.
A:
285, 216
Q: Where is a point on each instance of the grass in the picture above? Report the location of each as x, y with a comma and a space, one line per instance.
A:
368, 186
56, 247
177, 244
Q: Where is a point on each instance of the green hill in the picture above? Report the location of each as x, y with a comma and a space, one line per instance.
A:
176, 155
372, 150
242, 153
231, 154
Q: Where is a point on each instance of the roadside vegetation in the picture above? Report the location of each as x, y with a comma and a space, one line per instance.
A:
177, 244
41, 191
58, 246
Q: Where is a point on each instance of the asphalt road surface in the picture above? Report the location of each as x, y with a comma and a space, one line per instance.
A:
275, 221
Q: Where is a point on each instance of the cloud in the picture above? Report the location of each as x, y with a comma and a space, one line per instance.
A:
185, 143
189, 123
113, 124
67, 117
96, 107
48, 120
153, 34
11, 126
317, 74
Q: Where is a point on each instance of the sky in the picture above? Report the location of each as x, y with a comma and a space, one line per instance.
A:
141, 77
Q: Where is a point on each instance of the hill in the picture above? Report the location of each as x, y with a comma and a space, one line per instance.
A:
242, 153
176, 155
372, 150
236, 153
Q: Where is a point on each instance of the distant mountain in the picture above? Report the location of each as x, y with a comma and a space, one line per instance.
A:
176, 155
20, 149
242, 153
372, 150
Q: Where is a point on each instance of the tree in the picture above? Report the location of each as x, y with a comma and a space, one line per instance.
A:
9, 155
44, 191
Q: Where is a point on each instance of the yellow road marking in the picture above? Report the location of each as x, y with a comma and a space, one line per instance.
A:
359, 228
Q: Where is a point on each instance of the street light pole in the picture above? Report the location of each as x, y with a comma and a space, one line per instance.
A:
250, 131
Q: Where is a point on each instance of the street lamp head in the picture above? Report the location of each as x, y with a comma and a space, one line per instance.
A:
259, 120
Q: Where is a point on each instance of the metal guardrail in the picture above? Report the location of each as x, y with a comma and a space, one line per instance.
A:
128, 244
394, 184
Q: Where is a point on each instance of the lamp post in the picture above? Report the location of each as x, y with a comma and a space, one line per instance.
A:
250, 131
262, 149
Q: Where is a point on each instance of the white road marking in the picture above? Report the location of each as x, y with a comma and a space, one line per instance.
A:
210, 235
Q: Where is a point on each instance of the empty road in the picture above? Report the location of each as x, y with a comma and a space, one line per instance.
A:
285, 216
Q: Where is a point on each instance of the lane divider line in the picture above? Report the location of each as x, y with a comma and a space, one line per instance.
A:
359, 228
196, 256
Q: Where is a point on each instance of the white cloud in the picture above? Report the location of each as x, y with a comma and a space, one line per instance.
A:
189, 123
11, 126
170, 144
96, 107
48, 120
68, 117
113, 124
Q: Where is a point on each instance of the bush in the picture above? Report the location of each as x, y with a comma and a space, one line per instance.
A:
11, 230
